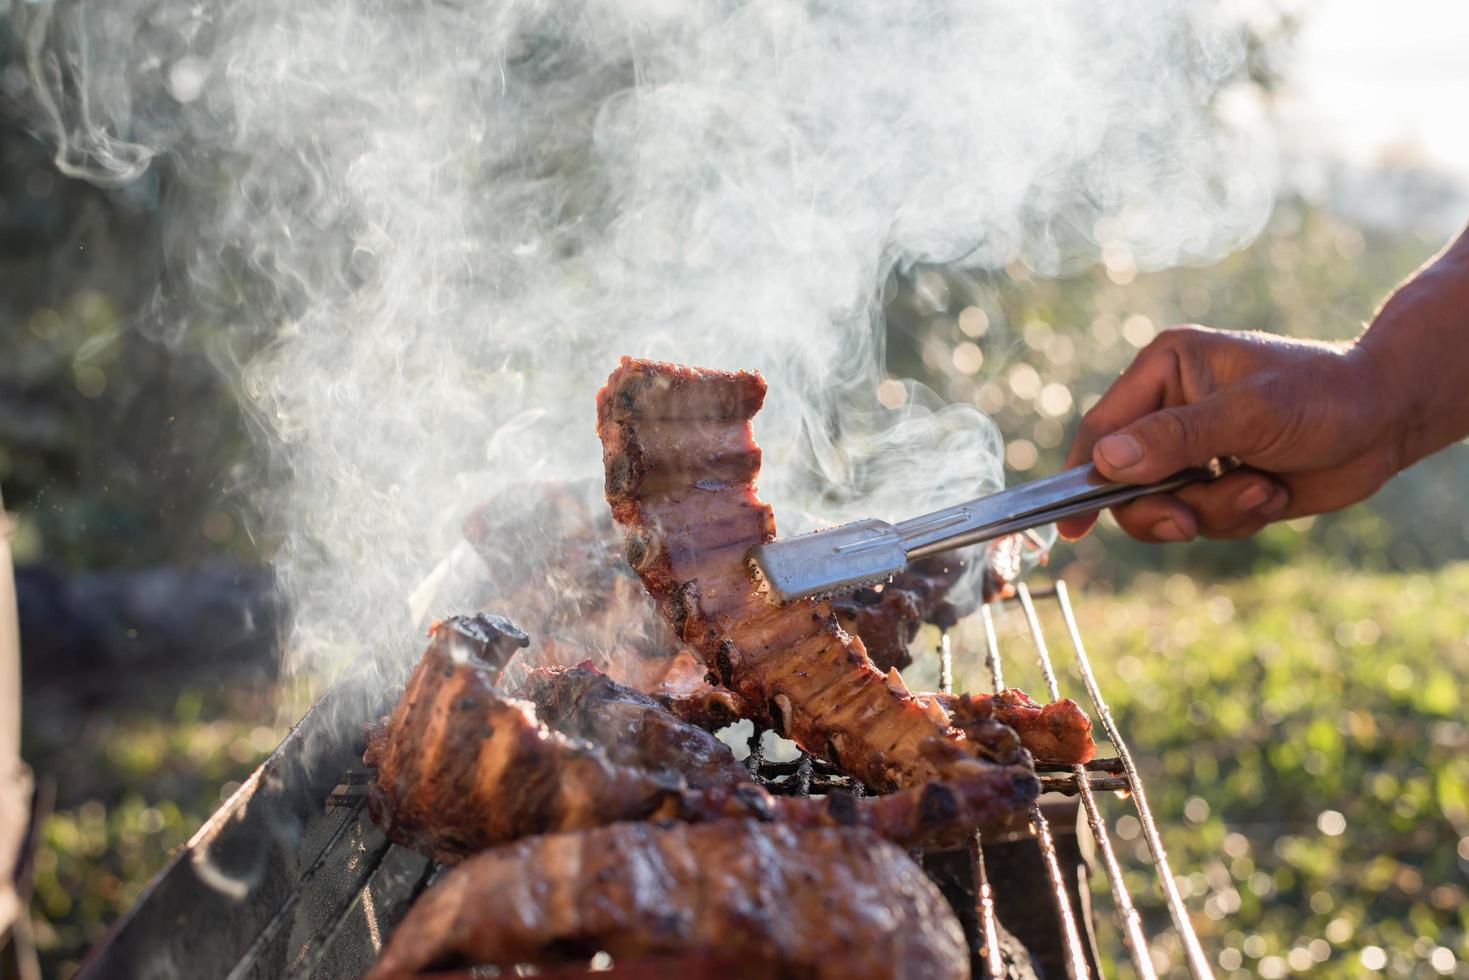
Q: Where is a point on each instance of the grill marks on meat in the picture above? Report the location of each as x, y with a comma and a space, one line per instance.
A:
822, 904
1055, 732
681, 460
461, 767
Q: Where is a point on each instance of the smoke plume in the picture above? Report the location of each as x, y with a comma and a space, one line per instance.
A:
443, 221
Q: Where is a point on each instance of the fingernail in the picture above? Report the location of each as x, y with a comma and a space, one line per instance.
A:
1167, 530
1251, 497
1120, 451
1277, 503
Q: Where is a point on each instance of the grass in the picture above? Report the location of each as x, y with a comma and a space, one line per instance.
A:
1301, 732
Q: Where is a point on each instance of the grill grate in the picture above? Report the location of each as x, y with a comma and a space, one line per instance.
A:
1082, 780
311, 891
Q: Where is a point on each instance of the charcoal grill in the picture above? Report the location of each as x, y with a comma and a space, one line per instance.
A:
290, 879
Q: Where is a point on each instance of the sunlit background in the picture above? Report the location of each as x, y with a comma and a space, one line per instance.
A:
1298, 700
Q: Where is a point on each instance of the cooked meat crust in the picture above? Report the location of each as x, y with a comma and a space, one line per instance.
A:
681, 461
461, 767
635, 730
632, 727
825, 904
1055, 732
686, 690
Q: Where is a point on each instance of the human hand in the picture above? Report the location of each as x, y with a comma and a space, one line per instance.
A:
1315, 425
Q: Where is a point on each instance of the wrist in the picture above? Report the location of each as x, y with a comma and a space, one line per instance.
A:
1414, 361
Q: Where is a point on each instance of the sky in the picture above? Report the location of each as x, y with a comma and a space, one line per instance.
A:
1374, 79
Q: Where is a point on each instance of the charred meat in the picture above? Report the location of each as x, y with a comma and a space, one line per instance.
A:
681, 462
838, 904
637, 731
633, 728
1055, 732
461, 767
687, 690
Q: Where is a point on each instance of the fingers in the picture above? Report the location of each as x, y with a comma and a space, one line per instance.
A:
1231, 507
1236, 498
1075, 528
1156, 518
1139, 390
1221, 509
1173, 438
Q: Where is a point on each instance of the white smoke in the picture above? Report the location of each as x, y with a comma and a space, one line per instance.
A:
452, 217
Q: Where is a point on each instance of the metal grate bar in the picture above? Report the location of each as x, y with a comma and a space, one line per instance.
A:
1076, 966
1198, 964
319, 943
1132, 927
946, 664
984, 895
1042, 652
992, 647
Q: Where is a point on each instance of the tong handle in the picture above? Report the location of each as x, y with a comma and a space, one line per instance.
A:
1079, 490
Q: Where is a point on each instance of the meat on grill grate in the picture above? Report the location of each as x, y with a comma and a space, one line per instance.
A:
681, 463
829, 904
1055, 732
632, 727
462, 766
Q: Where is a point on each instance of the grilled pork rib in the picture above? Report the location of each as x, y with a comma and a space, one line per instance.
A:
681, 462
826, 904
635, 730
462, 767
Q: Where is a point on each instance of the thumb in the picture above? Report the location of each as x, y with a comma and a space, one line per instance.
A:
1168, 440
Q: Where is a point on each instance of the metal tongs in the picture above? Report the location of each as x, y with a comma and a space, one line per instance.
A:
866, 552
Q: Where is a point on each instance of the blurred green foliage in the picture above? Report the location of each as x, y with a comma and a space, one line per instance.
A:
122, 443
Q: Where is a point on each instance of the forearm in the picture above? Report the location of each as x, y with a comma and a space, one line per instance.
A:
1417, 351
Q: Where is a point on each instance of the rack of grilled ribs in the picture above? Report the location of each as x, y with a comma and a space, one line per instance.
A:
681, 461
593, 604
461, 766
824, 903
